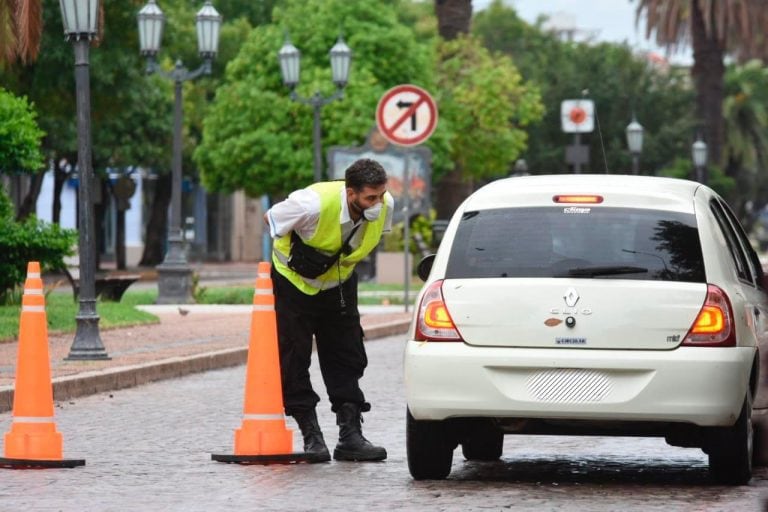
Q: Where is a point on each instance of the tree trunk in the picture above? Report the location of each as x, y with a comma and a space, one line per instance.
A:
708, 75
60, 176
157, 225
453, 18
28, 205
451, 192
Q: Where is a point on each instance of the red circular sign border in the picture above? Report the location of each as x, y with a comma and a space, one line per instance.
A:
430, 104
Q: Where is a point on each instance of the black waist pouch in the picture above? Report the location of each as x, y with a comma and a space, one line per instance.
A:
308, 261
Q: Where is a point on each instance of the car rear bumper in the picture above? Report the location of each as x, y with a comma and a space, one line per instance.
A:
702, 386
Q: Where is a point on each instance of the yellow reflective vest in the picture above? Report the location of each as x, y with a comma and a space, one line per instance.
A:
327, 238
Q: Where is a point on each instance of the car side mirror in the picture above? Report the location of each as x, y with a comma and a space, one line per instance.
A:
425, 266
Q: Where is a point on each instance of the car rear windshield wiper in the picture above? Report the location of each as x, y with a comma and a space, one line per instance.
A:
610, 270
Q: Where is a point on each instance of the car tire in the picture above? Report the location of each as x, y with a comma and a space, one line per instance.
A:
486, 444
760, 436
429, 449
730, 455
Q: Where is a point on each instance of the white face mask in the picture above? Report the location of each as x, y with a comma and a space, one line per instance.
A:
373, 212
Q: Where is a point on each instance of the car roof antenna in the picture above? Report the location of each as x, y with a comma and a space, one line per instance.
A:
585, 94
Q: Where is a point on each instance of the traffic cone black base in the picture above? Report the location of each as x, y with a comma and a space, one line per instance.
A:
40, 464
277, 458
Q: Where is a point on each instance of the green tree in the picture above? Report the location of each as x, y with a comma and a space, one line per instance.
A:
30, 239
745, 149
619, 82
257, 139
20, 135
488, 106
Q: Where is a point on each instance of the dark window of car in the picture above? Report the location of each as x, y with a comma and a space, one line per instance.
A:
754, 266
739, 259
576, 241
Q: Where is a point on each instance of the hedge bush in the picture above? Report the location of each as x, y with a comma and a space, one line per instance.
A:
30, 240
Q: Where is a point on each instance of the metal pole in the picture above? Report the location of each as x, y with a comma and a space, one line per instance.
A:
174, 277
576, 144
87, 344
406, 227
635, 163
317, 136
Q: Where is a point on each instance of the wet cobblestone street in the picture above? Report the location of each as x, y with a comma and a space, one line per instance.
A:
148, 448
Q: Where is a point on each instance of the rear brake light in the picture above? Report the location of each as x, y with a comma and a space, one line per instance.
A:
713, 326
434, 322
578, 198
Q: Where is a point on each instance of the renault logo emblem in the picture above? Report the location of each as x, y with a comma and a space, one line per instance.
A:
571, 297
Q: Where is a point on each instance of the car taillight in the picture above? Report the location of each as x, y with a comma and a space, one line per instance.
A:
713, 326
434, 322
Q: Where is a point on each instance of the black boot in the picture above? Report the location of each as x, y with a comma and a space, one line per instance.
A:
314, 444
352, 445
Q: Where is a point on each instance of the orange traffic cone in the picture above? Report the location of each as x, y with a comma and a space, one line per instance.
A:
33, 441
263, 437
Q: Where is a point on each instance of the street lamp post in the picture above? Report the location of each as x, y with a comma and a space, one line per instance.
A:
80, 19
699, 154
635, 143
341, 56
174, 277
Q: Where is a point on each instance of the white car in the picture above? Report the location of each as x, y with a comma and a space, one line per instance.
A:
589, 304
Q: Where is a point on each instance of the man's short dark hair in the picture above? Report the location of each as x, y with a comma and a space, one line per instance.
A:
365, 173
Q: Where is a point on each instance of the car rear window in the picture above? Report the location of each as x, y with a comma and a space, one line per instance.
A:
577, 241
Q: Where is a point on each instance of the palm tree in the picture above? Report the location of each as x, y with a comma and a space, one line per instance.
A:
714, 28
745, 112
21, 28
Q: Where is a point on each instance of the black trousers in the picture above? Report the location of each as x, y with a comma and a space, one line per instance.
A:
338, 336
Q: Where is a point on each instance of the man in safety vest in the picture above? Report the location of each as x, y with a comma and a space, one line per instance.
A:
320, 233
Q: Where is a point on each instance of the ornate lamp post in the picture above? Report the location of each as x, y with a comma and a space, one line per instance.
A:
80, 19
174, 277
635, 143
699, 154
341, 56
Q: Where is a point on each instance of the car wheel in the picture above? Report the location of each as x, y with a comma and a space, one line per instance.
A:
429, 449
485, 444
731, 451
760, 437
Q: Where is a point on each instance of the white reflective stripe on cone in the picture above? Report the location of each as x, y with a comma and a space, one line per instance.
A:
262, 291
262, 307
33, 419
33, 274
263, 274
33, 291
263, 416
33, 309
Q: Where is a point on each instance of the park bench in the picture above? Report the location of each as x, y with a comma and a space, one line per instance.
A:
109, 287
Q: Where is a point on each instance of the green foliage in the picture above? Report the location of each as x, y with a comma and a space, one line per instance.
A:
30, 240
421, 226
483, 97
19, 135
255, 138
682, 168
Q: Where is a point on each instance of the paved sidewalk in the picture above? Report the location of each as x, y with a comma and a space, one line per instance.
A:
188, 339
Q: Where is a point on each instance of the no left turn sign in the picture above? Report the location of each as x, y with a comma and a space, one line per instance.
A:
406, 115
